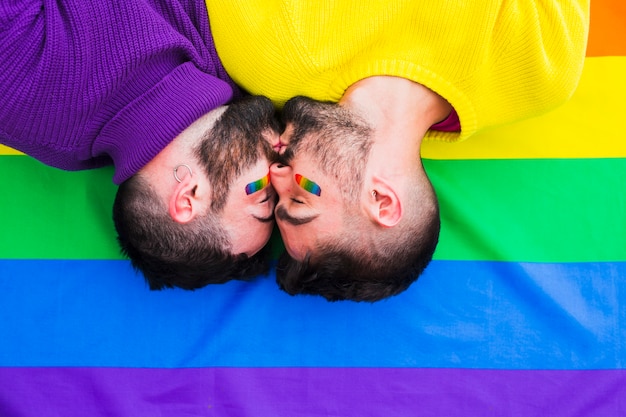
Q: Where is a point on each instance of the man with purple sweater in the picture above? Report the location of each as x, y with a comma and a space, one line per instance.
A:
138, 84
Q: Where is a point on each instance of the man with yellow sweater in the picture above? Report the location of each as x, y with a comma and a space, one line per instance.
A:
357, 212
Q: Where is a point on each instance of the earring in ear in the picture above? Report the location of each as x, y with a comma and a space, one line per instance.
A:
176, 171
374, 193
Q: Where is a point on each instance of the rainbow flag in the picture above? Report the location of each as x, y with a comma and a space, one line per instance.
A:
522, 313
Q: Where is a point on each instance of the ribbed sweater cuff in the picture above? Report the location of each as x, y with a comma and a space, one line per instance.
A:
149, 123
398, 68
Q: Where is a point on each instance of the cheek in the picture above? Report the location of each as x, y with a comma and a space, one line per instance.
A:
294, 241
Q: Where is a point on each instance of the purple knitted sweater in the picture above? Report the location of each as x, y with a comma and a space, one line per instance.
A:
89, 83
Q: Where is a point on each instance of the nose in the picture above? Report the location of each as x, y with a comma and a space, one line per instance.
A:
280, 176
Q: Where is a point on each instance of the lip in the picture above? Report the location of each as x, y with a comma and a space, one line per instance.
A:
279, 147
274, 140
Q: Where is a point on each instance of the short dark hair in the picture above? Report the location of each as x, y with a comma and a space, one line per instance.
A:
170, 254
192, 255
362, 267
365, 262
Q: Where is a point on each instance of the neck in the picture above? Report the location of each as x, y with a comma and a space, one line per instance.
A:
400, 111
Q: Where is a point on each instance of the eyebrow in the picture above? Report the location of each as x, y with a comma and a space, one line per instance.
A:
281, 213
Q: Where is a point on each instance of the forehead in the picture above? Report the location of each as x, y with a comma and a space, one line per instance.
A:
303, 227
303, 239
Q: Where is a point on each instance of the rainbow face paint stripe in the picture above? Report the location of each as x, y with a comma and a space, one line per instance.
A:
308, 185
258, 185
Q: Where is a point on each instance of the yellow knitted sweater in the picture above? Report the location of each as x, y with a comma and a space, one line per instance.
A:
495, 61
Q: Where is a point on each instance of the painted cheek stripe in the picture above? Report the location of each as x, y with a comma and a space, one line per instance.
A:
258, 185
308, 185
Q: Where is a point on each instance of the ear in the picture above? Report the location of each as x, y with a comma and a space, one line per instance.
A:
383, 203
183, 204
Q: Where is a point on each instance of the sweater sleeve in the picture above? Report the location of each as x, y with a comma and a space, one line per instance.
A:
85, 84
494, 61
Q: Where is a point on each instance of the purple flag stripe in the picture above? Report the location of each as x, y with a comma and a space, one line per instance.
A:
273, 392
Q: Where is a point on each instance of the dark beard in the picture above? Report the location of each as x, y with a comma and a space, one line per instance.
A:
337, 139
235, 143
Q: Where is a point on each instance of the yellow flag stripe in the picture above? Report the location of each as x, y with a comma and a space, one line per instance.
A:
590, 125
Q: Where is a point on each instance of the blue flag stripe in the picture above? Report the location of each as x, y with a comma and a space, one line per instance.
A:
463, 314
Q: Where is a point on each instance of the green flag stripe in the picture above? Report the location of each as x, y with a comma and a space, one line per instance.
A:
544, 210
532, 210
52, 214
